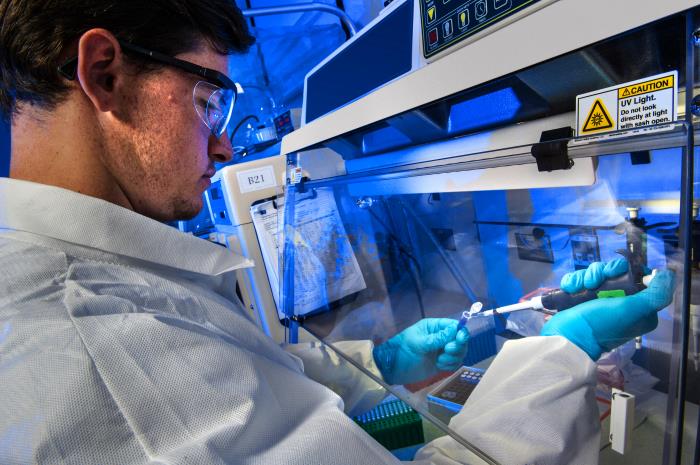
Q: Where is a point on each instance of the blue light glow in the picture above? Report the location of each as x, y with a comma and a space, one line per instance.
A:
384, 139
496, 107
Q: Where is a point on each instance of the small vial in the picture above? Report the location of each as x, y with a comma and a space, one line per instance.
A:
468, 314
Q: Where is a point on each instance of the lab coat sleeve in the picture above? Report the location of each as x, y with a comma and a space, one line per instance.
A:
535, 405
325, 366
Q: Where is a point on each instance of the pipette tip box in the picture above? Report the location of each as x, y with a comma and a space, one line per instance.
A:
393, 424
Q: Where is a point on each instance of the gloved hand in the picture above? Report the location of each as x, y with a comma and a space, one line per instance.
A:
600, 325
421, 350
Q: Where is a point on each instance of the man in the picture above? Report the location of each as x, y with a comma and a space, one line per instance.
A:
121, 340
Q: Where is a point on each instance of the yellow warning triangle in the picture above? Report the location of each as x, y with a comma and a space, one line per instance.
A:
431, 13
598, 118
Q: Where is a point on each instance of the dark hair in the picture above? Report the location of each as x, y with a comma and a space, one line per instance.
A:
37, 35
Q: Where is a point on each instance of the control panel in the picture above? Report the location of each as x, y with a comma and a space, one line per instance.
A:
446, 22
283, 124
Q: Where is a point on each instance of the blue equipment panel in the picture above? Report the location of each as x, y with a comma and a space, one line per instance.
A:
374, 58
446, 22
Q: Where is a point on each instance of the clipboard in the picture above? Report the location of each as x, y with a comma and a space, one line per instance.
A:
325, 266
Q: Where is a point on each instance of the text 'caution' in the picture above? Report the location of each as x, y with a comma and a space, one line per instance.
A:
647, 102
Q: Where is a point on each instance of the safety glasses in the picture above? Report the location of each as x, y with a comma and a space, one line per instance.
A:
213, 97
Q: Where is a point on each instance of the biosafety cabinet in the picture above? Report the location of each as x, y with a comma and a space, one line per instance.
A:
480, 150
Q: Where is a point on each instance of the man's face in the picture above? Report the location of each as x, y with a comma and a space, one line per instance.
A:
158, 149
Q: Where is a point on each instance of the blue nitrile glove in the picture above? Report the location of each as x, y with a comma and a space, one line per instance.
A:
600, 325
421, 350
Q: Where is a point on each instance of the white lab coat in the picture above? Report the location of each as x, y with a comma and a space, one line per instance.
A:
121, 342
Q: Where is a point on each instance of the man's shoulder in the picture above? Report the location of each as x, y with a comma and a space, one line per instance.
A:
28, 270
31, 262
18, 255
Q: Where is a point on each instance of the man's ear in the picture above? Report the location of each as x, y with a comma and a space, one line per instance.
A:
100, 64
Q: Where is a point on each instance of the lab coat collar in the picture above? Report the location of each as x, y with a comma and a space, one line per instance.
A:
87, 221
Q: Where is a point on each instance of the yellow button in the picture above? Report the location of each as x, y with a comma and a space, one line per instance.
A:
431, 14
463, 19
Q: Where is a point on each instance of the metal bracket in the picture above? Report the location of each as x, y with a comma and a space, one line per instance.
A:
295, 318
621, 421
551, 152
640, 157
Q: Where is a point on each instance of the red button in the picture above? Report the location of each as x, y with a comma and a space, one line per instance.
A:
432, 36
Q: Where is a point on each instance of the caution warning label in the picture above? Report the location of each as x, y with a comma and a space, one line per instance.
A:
598, 118
647, 102
666, 82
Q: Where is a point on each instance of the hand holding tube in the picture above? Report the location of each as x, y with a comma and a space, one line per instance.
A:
421, 350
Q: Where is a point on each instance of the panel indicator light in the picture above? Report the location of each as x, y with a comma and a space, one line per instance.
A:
481, 9
432, 37
447, 28
463, 19
431, 14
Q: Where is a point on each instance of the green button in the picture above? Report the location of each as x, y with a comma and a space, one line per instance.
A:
611, 293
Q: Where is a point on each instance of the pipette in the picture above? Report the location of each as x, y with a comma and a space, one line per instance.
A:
557, 300
527, 305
